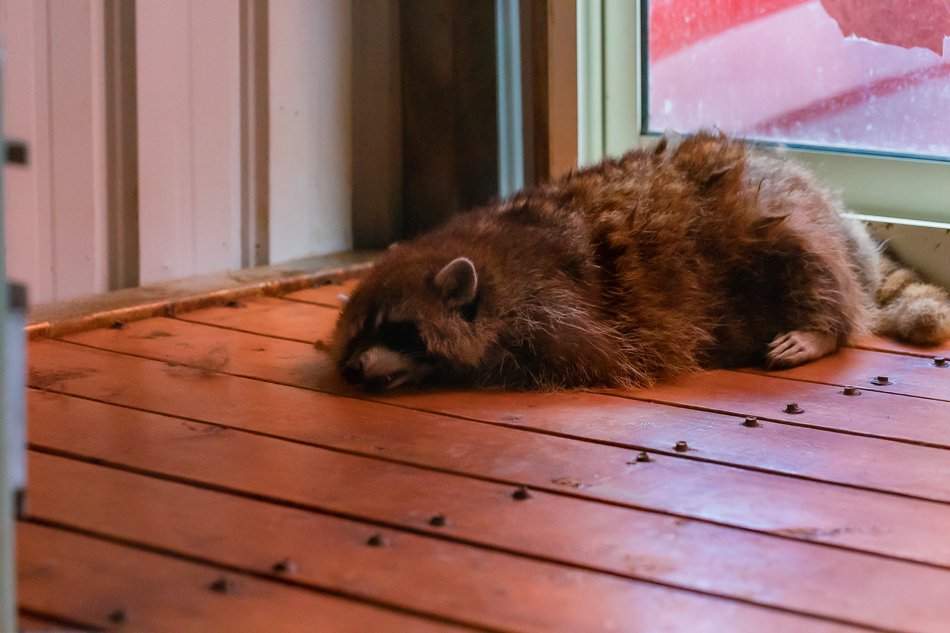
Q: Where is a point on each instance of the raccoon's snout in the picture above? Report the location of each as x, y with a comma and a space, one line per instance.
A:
353, 374
379, 368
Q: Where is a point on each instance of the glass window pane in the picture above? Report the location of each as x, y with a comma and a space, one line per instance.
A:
869, 75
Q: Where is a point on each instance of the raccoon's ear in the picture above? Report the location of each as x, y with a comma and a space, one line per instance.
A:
457, 282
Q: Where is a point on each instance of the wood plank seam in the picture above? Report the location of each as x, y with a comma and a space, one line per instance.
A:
157, 593
816, 427
400, 549
146, 309
151, 464
838, 384
629, 395
56, 620
633, 448
562, 435
763, 482
369, 397
750, 370
883, 353
234, 329
558, 491
325, 304
396, 528
923, 353
243, 571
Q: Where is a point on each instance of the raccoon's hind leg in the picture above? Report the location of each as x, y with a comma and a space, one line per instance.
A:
797, 347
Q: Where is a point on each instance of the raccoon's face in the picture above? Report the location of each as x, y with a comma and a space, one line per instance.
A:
405, 324
387, 354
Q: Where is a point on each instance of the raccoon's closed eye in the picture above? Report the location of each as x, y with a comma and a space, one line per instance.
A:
401, 336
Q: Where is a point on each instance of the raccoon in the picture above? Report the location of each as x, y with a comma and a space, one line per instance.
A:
709, 254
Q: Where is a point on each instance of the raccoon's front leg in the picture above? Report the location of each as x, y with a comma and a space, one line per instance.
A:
818, 303
799, 346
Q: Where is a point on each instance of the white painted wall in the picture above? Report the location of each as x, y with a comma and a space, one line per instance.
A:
189, 137
189, 83
23, 37
53, 99
310, 127
189, 118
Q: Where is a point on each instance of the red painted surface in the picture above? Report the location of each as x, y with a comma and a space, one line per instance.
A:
853, 98
675, 24
906, 23
838, 73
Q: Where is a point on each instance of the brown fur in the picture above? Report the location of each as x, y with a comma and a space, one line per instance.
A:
910, 309
709, 254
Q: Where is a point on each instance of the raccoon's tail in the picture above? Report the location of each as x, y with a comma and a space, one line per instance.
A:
909, 309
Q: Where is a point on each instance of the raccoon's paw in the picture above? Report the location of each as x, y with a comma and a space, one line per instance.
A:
797, 347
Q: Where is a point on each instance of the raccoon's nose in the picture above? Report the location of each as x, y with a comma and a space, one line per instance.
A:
353, 371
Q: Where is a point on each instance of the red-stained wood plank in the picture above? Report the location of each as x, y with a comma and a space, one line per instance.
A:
496, 590
881, 344
271, 316
860, 519
911, 470
909, 375
875, 414
29, 624
474, 464
626, 542
769, 447
327, 295
764, 396
81, 578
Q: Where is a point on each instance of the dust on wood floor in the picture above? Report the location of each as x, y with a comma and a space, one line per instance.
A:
211, 472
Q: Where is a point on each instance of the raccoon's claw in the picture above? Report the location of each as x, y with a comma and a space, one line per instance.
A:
797, 347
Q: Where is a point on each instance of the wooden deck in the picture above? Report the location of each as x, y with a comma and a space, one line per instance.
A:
210, 472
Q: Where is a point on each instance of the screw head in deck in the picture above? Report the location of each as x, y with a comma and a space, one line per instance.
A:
284, 566
750, 421
118, 616
377, 540
851, 390
681, 447
222, 585
792, 407
117, 325
644, 456
521, 494
940, 361
881, 380
438, 521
